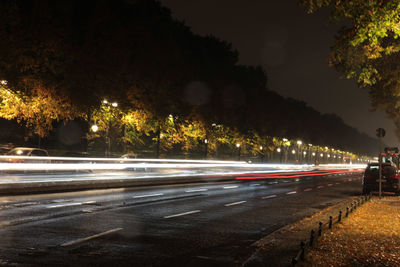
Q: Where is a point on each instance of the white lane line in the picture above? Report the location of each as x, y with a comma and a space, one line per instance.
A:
272, 182
182, 214
320, 186
270, 196
74, 242
235, 203
151, 195
255, 184
330, 184
230, 187
70, 204
196, 190
308, 189
292, 192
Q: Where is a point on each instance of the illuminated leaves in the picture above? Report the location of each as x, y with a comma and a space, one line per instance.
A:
370, 237
37, 110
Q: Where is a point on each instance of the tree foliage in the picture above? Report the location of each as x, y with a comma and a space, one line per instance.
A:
367, 48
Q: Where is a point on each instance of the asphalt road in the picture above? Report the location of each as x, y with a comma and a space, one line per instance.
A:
177, 225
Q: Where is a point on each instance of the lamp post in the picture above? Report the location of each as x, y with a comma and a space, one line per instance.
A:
107, 151
261, 154
299, 143
205, 148
309, 153
238, 146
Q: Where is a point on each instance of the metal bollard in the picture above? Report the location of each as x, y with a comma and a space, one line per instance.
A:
302, 247
320, 229
311, 238
340, 216
330, 222
347, 211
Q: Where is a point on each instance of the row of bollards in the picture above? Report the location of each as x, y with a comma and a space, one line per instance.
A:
353, 205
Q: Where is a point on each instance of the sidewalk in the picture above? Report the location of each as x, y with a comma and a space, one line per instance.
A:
369, 237
278, 248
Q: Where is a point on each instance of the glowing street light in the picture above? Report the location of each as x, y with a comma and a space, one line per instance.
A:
94, 128
238, 146
278, 150
293, 151
105, 101
3, 82
285, 140
114, 104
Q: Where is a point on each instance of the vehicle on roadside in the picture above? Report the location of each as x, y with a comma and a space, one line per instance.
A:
390, 178
27, 151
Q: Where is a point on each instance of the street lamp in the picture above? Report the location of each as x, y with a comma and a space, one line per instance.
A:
299, 143
206, 148
261, 154
107, 137
3, 82
94, 128
238, 146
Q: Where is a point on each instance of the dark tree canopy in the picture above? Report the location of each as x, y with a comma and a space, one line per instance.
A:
135, 53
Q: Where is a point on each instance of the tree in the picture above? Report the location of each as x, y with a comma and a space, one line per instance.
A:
367, 48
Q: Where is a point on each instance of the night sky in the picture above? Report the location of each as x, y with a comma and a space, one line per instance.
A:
293, 48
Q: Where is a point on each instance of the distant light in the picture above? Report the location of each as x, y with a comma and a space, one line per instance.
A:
310, 144
161, 135
329, 156
3, 82
105, 101
205, 141
322, 155
293, 151
285, 140
334, 156
95, 128
237, 145
326, 147
214, 124
304, 153
20, 152
114, 104
313, 153
278, 150
261, 148
299, 142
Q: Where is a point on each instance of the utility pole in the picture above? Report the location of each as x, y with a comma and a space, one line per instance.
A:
380, 132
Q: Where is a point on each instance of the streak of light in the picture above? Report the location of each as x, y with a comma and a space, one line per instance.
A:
196, 190
230, 187
291, 193
150, 195
289, 176
235, 203
182, 214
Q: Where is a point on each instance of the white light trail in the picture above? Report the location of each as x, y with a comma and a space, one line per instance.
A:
235, 203
150, 195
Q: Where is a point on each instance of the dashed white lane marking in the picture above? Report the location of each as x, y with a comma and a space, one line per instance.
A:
272, 182
285, 181
74, 242
307, 189
337, 183
196, 190
270, 196
182, 214
330, 184
70, 204
292, 192
151, 195
230, 187
320, 186
255, 184
235, 203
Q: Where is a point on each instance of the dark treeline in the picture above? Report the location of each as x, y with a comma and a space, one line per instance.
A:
133, 52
